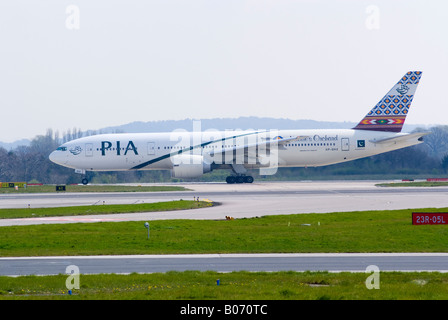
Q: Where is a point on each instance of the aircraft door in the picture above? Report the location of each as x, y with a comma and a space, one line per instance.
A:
345, 144
89, 150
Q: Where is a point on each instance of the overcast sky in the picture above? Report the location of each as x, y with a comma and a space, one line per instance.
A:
90, 64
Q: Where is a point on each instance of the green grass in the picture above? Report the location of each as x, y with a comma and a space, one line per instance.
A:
94, 188
370, 231
195, 285
102, 209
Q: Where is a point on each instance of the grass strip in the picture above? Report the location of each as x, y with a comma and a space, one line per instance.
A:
102, 209
367, 231
195, 285
93, 188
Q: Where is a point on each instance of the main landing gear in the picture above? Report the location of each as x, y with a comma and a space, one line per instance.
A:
239, 179
239, 175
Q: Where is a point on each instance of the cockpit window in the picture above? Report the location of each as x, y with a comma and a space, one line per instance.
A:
61, 149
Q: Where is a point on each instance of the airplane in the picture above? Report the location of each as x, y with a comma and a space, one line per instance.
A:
193, 154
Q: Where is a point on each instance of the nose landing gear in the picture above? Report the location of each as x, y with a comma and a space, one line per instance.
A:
85, 179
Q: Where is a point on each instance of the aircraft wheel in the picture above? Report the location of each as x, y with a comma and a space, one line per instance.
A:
239, 179
85, 181
248, 179
230, 179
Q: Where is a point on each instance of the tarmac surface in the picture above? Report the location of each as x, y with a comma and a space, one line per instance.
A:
238, 201
339, 262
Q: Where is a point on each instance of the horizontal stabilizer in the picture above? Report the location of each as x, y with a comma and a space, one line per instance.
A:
401, 138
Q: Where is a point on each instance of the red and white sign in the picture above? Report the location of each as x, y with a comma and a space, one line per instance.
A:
429, 218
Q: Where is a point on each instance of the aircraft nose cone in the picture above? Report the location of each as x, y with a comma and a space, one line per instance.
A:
53, 157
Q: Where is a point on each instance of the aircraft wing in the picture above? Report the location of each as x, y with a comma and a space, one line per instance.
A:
254, 151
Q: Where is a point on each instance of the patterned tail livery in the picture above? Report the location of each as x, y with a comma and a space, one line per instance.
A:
389, 114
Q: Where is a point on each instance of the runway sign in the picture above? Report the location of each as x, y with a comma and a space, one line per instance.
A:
12, 184
60, 188
419, 218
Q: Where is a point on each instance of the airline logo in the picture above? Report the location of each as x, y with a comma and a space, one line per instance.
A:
403, 89
109, 146
117, 147
76, 150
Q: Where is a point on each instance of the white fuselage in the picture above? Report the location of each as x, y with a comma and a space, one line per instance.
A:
157, 151
190, 155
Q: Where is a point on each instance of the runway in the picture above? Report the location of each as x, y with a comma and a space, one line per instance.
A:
343, 262
239, 201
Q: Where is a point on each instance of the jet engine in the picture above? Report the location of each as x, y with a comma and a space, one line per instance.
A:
189, 166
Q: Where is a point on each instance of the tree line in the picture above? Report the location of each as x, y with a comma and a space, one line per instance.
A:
31, 164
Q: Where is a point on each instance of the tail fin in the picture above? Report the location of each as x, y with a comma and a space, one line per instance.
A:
389, 114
